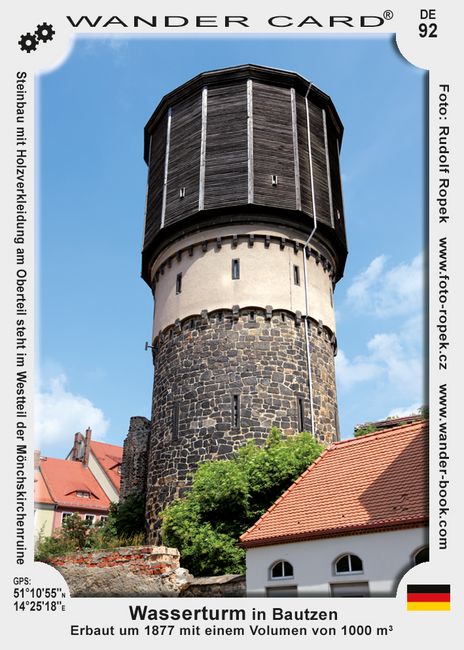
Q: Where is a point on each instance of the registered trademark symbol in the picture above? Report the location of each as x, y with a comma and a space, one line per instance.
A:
388, 14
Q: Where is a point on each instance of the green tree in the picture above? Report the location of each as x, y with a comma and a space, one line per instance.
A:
228, 496
424, 411
126, 519
364, 428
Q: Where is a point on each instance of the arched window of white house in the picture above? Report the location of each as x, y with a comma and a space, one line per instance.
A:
281, 569
422, 555
348, 564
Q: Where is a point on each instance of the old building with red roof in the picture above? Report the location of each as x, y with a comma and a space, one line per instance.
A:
352, 524
86, 483
103, 459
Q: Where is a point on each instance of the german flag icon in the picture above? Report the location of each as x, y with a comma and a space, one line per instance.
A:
428, 598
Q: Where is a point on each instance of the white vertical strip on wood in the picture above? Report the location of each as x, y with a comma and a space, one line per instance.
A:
296, 159
251, 180
341, 184
329, 183
166, 167
310, 160
204, 118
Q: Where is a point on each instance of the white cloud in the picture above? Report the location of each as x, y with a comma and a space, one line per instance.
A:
392, 363
402, 411
402, 367
357, 371
382, 292
358, 292
60, 413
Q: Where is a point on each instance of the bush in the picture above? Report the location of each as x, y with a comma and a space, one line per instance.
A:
364, 428
228, 496
127, 518
77, 534
74, 535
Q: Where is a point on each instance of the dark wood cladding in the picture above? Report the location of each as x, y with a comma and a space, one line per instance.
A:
303, 156
318, 155
226, 164
251, 130
184, 160
337, 197
155, 181
273, 151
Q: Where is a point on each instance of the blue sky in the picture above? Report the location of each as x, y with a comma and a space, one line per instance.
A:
95, 312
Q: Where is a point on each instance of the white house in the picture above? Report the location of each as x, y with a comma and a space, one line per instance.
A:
351, 525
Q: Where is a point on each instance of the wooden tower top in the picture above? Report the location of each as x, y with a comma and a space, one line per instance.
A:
244, 145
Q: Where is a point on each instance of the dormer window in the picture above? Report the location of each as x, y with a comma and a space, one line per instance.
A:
83, 494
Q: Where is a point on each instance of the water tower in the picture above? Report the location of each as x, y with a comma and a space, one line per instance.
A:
244, 242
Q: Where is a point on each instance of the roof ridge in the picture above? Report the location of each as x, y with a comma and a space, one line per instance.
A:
381, 432
107, 444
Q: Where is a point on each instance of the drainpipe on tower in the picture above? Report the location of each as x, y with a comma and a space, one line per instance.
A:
305, 269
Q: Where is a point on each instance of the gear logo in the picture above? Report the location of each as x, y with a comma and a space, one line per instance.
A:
28, 42
44, 32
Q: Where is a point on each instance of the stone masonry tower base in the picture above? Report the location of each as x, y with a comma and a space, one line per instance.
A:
222, 356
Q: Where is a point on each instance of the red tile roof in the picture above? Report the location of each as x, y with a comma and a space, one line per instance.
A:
375, 482
63, 479
41, 493
110, 458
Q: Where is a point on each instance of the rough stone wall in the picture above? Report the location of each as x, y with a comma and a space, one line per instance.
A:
116, 582
135, 457
227, 586
149, 571
202, 363
143, 560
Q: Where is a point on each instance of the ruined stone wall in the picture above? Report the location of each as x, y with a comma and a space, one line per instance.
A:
144, 560
135, 457
257, 355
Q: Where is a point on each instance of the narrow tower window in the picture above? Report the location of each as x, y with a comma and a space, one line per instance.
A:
235, 411
175, 421
296, 274
182, 193
179, 283
273, 180
235, 269
300, 408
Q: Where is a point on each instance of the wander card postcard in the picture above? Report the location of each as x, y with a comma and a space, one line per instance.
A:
230, 244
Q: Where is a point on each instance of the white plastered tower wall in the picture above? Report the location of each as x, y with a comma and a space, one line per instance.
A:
267, 276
